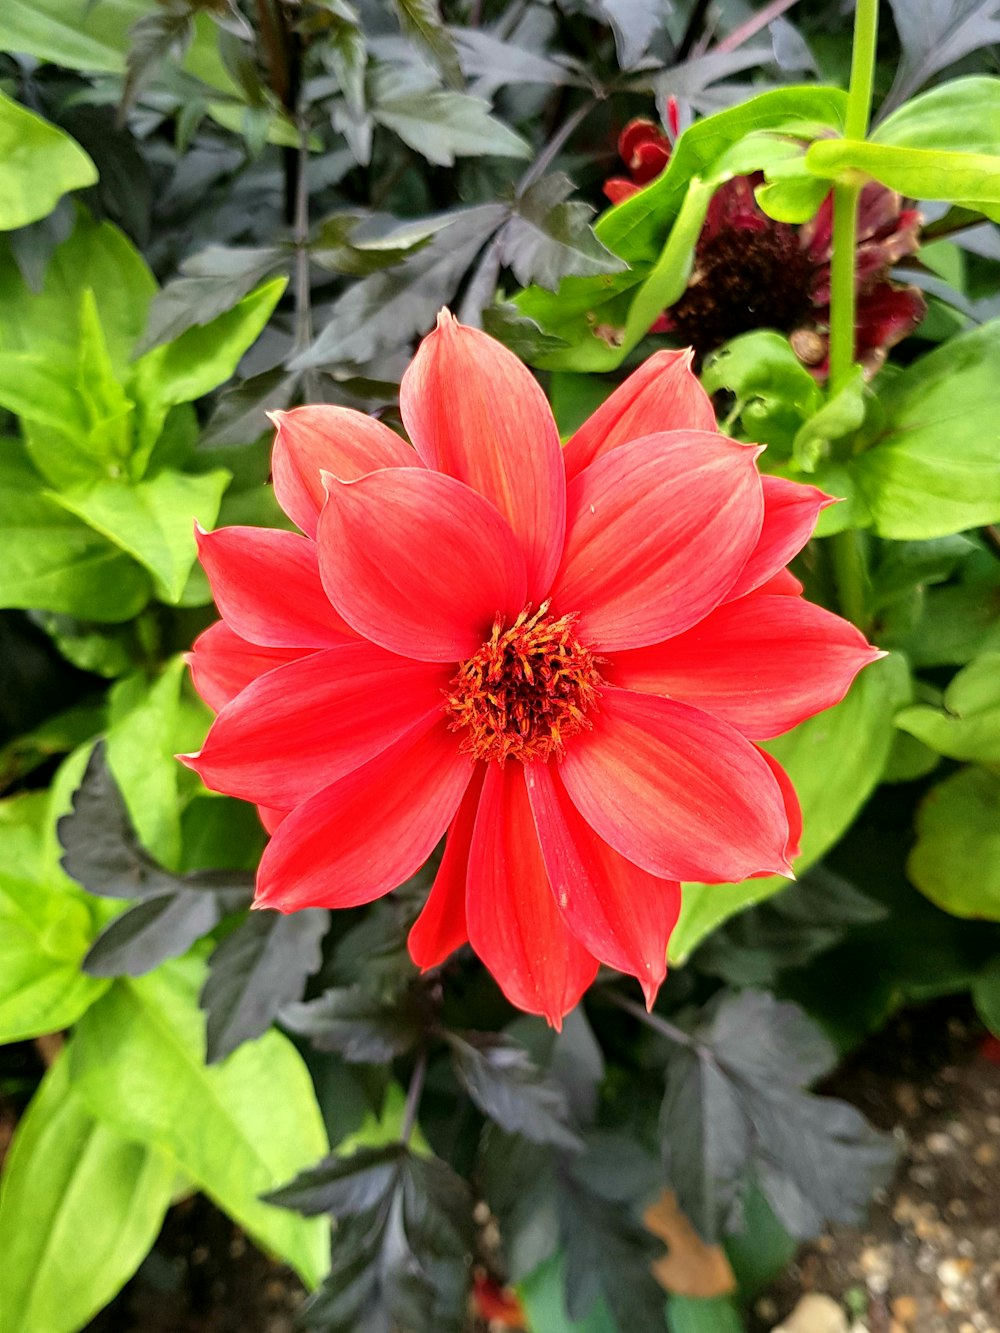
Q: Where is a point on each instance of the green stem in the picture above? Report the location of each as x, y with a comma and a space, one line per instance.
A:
845, 196
850, 573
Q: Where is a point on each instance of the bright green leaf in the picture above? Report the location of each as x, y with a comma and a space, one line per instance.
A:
38, 165
153, 520
935, 467
971, 180
835, 761
51, 561
688, 1314
149, 723
239, 1128
543, 1295
80, 1206
968, 725
45, 930
956, 861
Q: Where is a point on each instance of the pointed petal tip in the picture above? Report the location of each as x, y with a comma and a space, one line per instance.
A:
276, 417
650, 990
189, 760
445, 319
554, 1020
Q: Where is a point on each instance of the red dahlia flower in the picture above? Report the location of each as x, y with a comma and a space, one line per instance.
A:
561, 657
751, 272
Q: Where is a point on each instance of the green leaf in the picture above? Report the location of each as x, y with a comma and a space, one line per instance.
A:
151, 722
510, 1089
38, 165
542, 1296
80, 1206
442, 126
238, 1129
50, 560
934, 468
967, 726
214, 281
835, 761
196, 362
687, 1314
45, 930
971, 180
962, 115
153, 520
96, 256
774, 392
421, 19
956, 861
986, 995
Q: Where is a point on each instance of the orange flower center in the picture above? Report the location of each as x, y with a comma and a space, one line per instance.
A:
528, 688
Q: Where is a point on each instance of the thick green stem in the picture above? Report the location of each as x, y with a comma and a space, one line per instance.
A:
845, 196
850, 573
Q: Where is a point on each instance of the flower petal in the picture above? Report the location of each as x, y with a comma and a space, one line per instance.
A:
222, 663
419, 562
440, 928
622, 914
792, 807
676, 791
514, 922
324, 438
658, 531
266, 584
790, 514
762, 664
299, 728
364, 835
663, 394
476, 413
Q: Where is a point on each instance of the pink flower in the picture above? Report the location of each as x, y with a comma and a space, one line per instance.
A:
751, 272
562, 658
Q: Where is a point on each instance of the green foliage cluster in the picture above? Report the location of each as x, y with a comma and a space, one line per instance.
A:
211, 210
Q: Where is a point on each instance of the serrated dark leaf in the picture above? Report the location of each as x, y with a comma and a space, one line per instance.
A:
519, 1181
442, 126
497, 62
736, 1107
144, 936
363, 1027
100, 849
343, 1186
510, 1089
262, 965
240, 415
167, 30
607, 1253
549, 237
422, 20
403, 1242
935, 34
389, 308
213, 282
787, 930
633, 22
358, 244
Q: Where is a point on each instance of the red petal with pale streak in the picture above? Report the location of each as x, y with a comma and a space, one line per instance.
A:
658, 531
266, 584
622, 914
790, 514
299, 728
663, 394
676, 791
419, 562
440, 928
514, 922
476, 413
762, 664
222, 663
312, 440
792, 807
364, 835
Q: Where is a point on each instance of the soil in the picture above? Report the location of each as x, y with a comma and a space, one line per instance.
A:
928, 1261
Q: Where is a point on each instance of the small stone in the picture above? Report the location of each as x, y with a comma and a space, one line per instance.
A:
960, 1133
993, 1124
940, 1144
905, 1309
815, 1313
907, 1099
958, 1208
986, 1154
953, 1272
